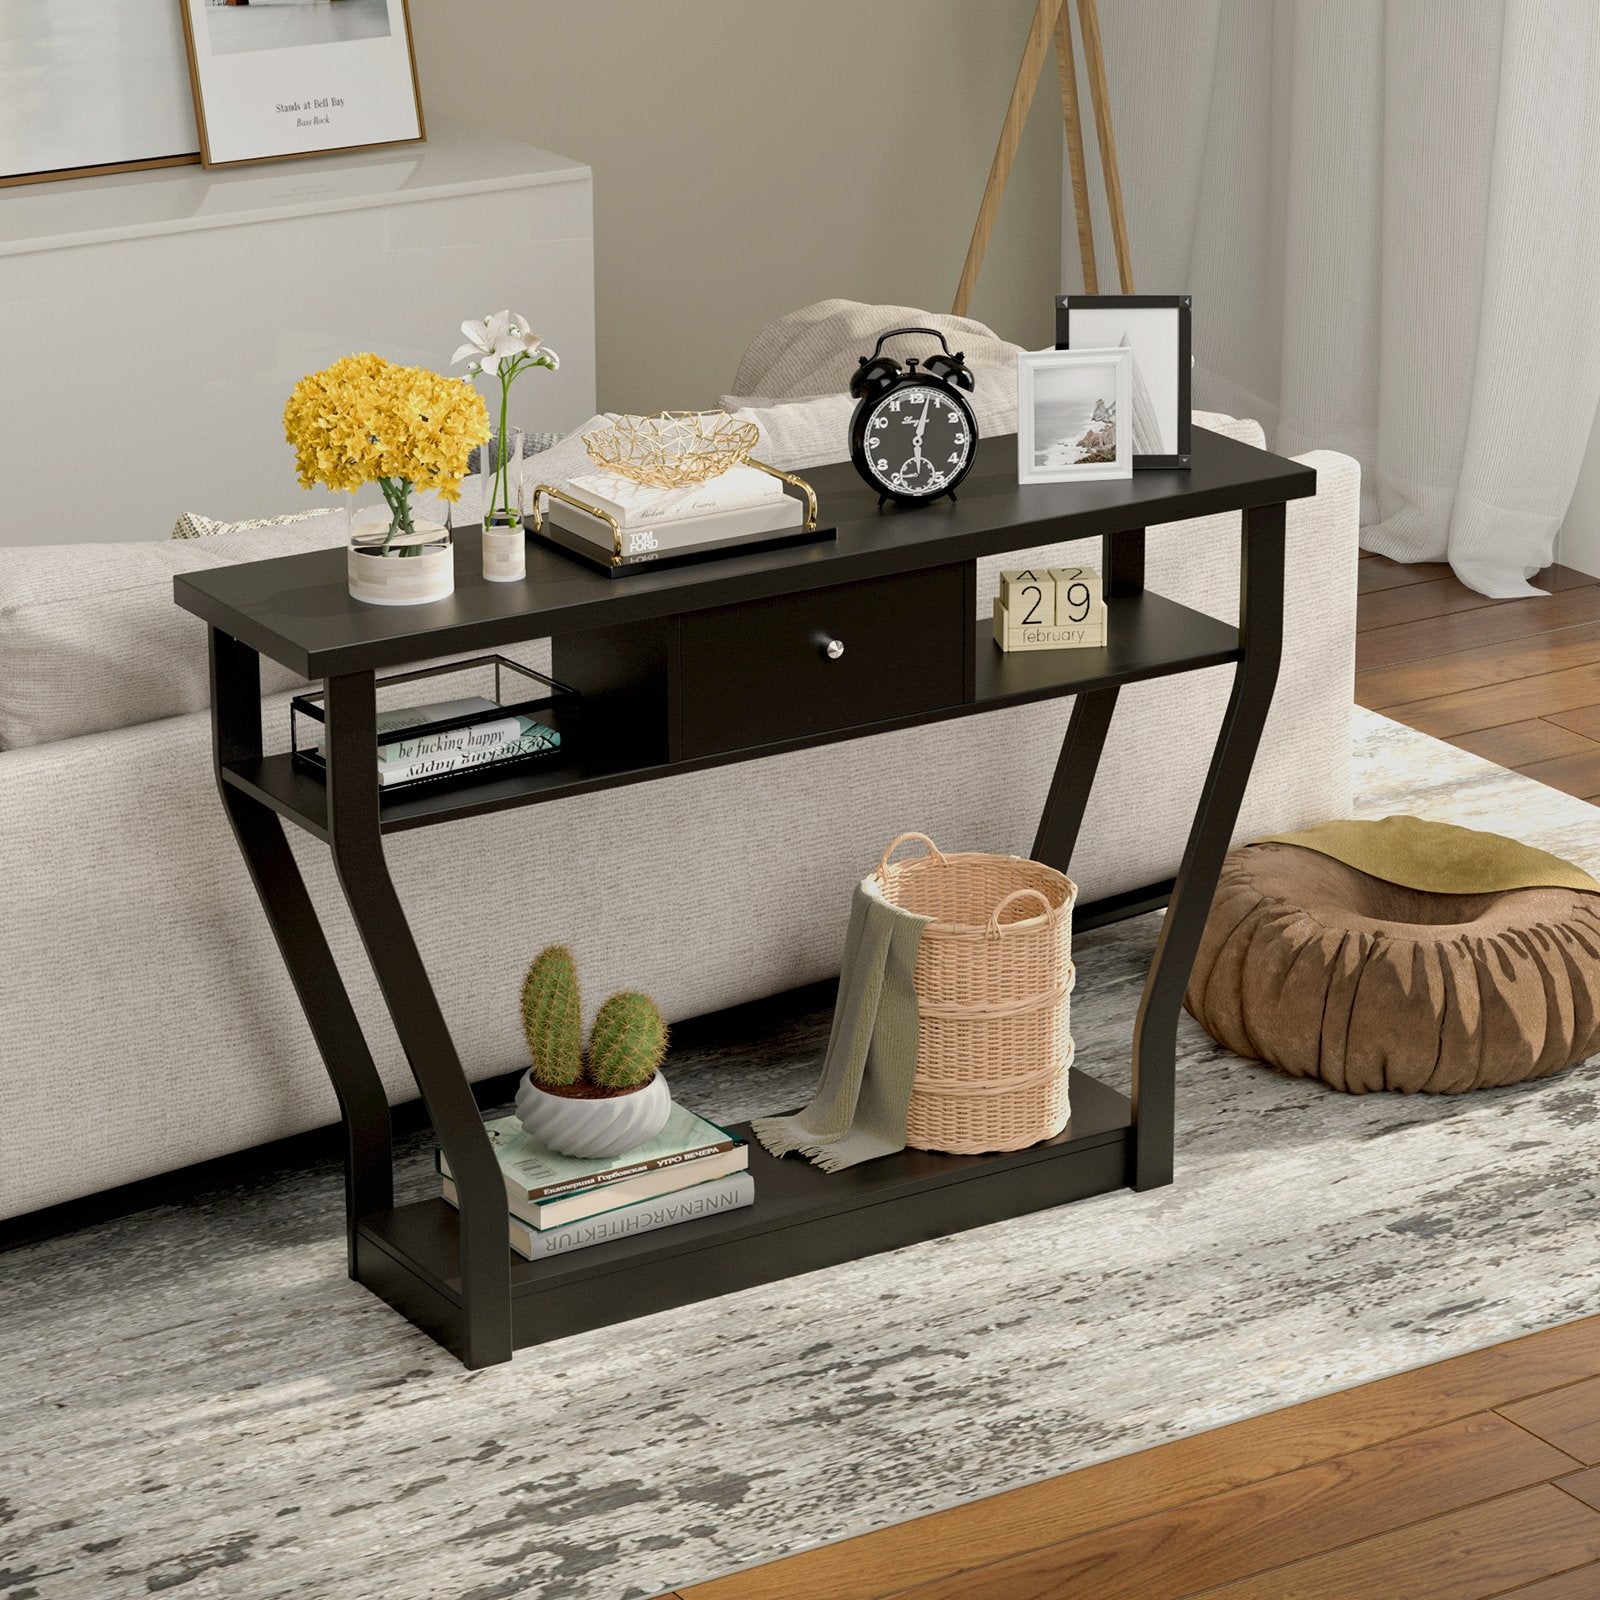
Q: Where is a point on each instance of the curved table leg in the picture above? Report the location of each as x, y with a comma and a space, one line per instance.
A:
363, 870
236, 734
1074, 777
1261, 561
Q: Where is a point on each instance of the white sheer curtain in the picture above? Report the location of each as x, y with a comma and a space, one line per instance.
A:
1388, 214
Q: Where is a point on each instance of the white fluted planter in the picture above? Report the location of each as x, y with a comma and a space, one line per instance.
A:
593, 1127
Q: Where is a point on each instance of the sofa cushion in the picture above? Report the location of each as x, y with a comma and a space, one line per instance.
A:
90, 638
191, 525
809, 432
814, 350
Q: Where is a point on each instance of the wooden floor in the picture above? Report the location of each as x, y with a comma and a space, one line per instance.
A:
1514, 681
1460, 1481
1477, 1477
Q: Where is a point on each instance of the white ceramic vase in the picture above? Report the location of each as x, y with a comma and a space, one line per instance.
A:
593, 1127
417, 567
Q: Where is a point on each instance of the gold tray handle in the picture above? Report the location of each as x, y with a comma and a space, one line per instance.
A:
581, 505
798, 483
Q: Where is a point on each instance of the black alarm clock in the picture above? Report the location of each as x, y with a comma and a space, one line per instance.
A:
913, 436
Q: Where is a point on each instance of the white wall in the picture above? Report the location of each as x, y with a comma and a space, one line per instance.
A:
752, 156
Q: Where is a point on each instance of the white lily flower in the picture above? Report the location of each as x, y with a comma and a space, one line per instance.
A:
477, 334
496, 340
504, 340
533, 346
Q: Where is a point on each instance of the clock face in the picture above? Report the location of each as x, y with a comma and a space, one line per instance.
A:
916, 442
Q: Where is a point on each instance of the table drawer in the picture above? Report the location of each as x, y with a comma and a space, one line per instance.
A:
761, 673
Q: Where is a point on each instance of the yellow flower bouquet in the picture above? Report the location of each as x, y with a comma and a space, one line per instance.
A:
365, 420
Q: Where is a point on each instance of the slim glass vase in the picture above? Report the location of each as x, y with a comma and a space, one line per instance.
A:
505, 546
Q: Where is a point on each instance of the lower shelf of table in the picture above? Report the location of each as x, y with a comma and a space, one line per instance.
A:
802, 1220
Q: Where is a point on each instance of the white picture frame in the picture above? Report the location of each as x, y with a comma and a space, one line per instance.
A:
96, 87
1062, 397
274, 79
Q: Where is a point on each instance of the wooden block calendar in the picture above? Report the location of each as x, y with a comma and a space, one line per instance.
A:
1029, 596
1061, 608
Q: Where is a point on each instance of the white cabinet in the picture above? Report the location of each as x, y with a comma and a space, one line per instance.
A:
152, 324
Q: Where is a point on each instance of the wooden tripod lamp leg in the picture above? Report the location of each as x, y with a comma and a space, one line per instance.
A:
1100, 93
1033, 54
1067, 74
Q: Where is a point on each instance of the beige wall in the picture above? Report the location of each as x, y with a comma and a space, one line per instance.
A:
751, 156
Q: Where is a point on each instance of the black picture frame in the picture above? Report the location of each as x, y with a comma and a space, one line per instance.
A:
1182, 305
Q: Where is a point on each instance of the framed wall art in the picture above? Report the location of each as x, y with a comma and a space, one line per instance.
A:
280, 78
92, 86
1155, 328
1071, 411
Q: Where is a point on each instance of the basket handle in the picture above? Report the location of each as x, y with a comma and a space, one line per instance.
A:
933, 850
995, 930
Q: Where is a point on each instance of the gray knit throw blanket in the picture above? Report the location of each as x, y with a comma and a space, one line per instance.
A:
859, 1110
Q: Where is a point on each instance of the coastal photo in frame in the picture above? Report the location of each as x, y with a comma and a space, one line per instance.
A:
1156, 329
92, 86
1071, 406
280, 78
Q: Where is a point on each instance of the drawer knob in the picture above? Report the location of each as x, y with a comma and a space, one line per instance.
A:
833, 649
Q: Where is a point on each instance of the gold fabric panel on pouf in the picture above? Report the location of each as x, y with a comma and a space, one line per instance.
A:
1325, 970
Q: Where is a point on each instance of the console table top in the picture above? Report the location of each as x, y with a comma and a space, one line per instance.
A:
297, 611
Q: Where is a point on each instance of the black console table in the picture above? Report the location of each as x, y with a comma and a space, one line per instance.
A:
689, 668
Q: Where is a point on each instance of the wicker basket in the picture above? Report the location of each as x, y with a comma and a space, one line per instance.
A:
994, 983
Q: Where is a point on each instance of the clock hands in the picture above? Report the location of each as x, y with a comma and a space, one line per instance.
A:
916, 462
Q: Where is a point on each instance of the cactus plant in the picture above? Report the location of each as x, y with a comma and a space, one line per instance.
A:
609, 1101
552, 1019
627, 1043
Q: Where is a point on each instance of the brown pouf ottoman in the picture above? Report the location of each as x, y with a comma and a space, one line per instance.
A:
1328, 971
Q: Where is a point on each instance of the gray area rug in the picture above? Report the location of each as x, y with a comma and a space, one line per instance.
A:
196, 1400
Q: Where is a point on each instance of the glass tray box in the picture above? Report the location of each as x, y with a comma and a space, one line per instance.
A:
509, 688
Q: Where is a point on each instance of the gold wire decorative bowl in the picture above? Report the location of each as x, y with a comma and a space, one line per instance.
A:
674, 449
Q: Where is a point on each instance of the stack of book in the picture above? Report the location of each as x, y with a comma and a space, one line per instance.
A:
453, 749
742, 505
691, 1169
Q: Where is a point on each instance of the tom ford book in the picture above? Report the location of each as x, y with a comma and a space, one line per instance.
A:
686, 535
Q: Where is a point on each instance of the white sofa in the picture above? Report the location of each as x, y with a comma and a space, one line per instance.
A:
146, 1022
